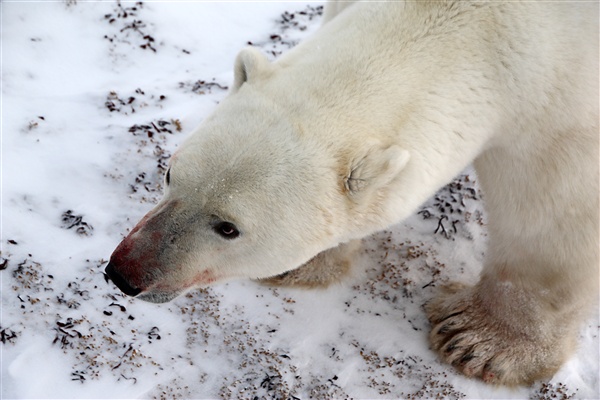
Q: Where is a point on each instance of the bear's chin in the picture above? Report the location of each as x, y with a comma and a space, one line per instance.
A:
158, 297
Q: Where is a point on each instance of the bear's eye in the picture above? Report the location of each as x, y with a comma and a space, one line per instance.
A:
226, 230
168, 176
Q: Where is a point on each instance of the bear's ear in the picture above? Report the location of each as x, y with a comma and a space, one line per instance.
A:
248, 64
374, 171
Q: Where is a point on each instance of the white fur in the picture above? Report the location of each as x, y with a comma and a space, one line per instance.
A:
352, 130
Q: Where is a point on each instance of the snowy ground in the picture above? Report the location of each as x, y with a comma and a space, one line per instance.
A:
95, 98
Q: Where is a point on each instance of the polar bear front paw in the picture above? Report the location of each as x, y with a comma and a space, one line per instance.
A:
473, 330
325, 268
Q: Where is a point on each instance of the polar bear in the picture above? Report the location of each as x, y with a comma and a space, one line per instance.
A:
352, 130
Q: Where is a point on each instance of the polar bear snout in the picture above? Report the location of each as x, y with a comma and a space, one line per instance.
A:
167, 253
131, 266
137, 269
138, 263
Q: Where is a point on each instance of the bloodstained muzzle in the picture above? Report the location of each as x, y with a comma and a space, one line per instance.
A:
138, 261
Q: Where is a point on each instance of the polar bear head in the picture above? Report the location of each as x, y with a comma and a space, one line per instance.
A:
251, 195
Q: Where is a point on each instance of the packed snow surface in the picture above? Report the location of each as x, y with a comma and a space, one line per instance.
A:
95, 98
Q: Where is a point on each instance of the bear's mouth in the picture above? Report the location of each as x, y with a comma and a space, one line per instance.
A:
152, 296
159, 292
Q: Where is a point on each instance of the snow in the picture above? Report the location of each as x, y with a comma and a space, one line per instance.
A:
89, 119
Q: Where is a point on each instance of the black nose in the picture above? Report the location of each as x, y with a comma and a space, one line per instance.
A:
120, 281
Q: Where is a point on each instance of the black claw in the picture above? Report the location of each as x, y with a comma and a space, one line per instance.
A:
466, 358
452, 346
450, 316
445, 329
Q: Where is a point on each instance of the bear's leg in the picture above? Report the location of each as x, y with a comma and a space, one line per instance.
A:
325, 268
519, 323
